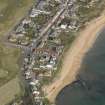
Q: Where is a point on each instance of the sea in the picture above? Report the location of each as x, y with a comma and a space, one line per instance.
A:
89, 88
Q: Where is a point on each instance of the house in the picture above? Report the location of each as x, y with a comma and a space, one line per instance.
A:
20, 29
34, 82
34, 13
26, 60
26, 21
13, 39
27, 75
49, 66
42, 67
20, 35
63, 26
25, 43
36, 68
36, 93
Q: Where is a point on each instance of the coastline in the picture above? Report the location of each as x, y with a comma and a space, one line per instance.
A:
73, 58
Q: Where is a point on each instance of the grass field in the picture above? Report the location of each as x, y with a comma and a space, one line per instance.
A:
11, 11
8, 63
9, 91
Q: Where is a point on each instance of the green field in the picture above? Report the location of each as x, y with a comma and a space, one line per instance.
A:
8, 64
11, 11
9, 91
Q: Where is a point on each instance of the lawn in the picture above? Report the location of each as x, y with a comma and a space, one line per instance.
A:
11, 12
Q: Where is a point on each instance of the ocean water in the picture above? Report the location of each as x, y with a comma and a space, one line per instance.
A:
89, 89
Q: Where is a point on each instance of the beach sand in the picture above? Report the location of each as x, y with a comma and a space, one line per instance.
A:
74, 56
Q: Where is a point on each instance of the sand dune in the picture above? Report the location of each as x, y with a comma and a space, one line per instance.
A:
73, 58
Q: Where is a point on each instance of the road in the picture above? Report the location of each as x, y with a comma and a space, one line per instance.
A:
43, 36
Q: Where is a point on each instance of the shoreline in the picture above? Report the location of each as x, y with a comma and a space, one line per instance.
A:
74, 56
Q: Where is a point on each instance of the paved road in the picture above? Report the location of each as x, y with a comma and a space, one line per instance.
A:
43, 36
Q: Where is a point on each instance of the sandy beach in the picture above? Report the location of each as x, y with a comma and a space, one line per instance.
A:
73, 58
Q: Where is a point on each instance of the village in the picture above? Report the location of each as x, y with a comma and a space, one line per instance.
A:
40, 33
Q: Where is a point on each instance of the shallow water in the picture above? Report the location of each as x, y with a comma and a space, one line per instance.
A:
89, 89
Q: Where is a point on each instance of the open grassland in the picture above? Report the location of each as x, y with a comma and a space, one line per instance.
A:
11, 12
9, 91
8, 64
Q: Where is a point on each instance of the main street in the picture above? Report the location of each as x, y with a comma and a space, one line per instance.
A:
43, 35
